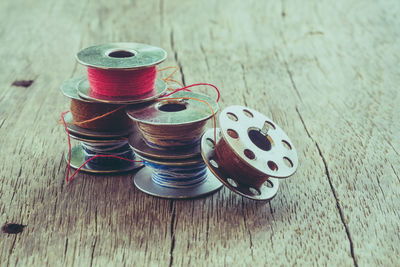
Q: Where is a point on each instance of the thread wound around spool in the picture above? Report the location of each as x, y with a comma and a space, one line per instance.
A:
74, 129
144, 183
85, 92
141, 147
258, 141
121, 56
268, 189
78, 159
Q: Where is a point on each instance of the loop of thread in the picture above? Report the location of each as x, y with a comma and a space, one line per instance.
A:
120, 83
178, 176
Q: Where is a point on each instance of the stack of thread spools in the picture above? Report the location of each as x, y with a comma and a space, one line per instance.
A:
124, 119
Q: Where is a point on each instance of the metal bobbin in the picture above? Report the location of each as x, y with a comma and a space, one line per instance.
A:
121, 56
257, 142
78, 159
69, 89
143, 181
170, 113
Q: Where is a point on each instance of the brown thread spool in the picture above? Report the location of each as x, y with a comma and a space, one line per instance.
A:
84, 111
172, 124
249, 152
171, 137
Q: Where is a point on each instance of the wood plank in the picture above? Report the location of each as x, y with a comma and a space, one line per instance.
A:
326, 72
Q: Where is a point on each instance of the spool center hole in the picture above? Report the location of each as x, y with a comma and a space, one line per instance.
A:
172, 106
259, 139
121, 54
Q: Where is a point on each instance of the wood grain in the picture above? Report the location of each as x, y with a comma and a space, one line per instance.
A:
326, 71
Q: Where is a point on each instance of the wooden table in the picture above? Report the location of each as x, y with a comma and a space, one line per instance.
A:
327, 72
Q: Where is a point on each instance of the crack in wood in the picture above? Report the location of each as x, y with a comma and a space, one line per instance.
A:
292, 80
338, 206
245, 85
176, 57
395, 173
93, 248
172, 233
11, 250
205, 56
248, 230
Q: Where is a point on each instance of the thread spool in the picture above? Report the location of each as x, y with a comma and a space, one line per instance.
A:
121, 73
172, 124
178, 152
172, 181
116, 124
249, 153
82, 152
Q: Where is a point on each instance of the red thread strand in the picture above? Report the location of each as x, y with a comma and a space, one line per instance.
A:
122, 82
69, 178
193, 85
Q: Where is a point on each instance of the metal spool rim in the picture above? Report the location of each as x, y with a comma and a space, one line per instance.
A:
144, 183
74, 129
265, 193
194, 112
78, 159
278, 161
137, 56
141, 147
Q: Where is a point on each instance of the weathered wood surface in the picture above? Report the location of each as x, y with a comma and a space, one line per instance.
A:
326, 71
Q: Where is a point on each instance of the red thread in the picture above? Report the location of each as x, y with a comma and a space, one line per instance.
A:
69, 178
192, 85
122, 82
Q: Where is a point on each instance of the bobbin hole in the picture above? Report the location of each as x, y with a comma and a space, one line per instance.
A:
248, 113
232, 133
286, 145
254, 191
259, 139
249, 154
210, 142
232, 182
272, 165
288, 162
268, 184
232, 116
171, 106
121, 54
214, 163
269, 125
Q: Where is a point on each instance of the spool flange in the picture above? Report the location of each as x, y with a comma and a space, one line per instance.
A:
258, 141
121, 56
141, 147
267, 191
144, 183
78, 159
173, 111
80, 131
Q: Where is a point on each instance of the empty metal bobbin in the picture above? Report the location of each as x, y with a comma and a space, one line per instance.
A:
252, 142
121, 56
